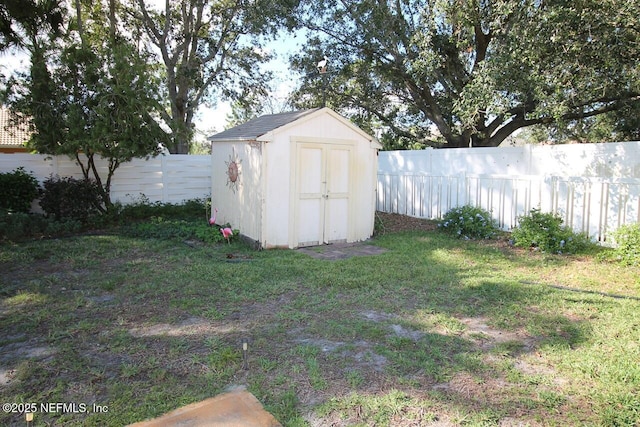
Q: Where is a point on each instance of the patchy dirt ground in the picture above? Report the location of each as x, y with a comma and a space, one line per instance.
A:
170, 343
389, 223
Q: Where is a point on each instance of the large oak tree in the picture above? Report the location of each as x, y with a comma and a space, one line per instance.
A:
459, 73
210, 50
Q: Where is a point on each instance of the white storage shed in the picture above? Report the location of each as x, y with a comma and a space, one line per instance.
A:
296, 179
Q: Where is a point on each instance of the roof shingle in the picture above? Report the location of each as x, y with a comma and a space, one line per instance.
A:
254, 128
10, 135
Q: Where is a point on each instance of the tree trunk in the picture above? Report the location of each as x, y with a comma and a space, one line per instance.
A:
181, 129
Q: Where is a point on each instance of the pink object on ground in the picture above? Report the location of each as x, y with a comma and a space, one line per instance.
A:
226, 232
212, 220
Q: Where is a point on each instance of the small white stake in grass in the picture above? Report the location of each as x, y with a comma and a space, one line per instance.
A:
245, 348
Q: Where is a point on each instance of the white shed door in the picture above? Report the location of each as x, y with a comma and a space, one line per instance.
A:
322, 202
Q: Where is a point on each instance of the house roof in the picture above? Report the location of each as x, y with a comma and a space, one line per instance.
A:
257, 127
11, 136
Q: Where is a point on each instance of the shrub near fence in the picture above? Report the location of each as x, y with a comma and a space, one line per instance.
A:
511, 181
165, 178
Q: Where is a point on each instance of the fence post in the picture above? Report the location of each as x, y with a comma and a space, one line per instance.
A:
548, 194
163, 178
466, 195
55, 165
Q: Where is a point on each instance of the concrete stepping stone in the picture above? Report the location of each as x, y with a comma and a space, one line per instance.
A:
237, 408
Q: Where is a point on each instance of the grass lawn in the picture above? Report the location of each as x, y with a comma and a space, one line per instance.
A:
432, 331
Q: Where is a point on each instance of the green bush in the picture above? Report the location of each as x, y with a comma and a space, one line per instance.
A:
212, 234
17, 226
180, 229
17, 190
627, 240
20, 226
63, 227
70, 198
545, 232
143, 209
469, 222
187, 221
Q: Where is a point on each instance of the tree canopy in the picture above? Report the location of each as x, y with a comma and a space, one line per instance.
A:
210, 50
190, 53
89, 93
17, 15
458, 73
444, 73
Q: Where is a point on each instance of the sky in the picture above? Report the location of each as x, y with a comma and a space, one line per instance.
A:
283, 84
209, 120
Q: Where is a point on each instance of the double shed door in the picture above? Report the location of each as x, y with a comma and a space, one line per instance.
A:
323, 196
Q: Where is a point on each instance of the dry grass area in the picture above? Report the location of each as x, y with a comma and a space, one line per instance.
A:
393, 223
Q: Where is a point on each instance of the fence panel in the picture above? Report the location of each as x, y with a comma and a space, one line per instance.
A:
595, 206
428, 183
165, 179
419, 195
186, 177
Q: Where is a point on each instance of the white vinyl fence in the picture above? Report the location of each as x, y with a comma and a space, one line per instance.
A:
595, 187
166, 178
582, 183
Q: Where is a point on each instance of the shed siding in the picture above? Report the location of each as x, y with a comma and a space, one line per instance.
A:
281, 153
238, 205
277, 187
263, 205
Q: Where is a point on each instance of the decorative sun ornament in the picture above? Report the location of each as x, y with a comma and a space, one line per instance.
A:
233, 171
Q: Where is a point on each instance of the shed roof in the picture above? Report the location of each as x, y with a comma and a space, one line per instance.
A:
259, 126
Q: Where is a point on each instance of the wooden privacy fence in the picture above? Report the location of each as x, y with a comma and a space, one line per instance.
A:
593, 205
